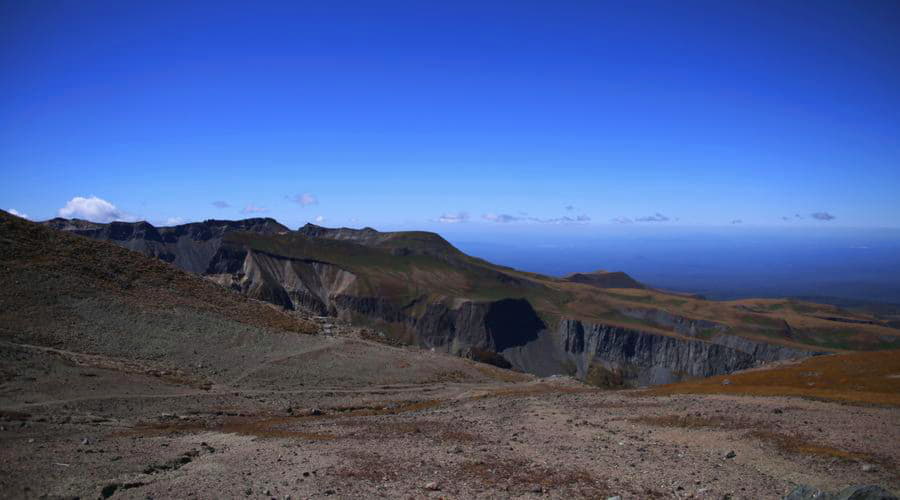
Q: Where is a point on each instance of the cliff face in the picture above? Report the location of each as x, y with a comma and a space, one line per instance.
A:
422, 291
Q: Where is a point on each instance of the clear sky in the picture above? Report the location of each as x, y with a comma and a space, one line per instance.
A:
464, 115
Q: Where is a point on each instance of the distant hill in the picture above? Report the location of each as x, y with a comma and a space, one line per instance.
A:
605, 279
418, 289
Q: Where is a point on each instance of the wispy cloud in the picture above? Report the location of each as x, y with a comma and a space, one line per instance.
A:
507, 218
320, 219
737, 221
621, 220
785, 218
501, 218
569, 208
18, 214
657, 217
305, 199
454, 218
822, 216
93, 209
175, 221
220, 204
253, 209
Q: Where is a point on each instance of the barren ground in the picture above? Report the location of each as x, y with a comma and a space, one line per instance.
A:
90, 429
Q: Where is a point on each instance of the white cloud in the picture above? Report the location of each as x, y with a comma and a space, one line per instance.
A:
621, 220
175, 221
320, 219
18, 214
305, 199
93, 209
453, 218
253, 209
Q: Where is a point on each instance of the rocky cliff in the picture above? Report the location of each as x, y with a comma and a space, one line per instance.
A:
418, 289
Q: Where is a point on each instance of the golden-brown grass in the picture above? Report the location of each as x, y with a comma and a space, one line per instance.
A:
802, 445
866, 378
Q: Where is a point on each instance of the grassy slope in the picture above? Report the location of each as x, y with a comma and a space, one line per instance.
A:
858, 378
404, 266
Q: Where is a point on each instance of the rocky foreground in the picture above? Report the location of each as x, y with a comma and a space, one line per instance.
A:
550, 438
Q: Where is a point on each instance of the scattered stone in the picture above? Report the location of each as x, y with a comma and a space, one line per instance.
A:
869, 468
726, 382
537, 489
778, 411
617, 497
730, 454
315, 412
456, 449
433, 486
85, 441
804, 492
30, 440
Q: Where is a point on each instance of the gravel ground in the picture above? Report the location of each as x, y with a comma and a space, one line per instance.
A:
133, 435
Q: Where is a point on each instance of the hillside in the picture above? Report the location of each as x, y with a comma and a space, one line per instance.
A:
95, 303
123, 376
418, 289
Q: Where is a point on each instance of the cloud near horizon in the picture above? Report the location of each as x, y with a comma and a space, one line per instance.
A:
822, 216
93, 209
621, 220
18, 214
220, 204
737, 221
657, 217
507, 218
305, 199
453, 218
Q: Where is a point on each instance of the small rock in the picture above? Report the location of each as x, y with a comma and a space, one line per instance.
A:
869, 468
315, 412
864, 493
778, 411
726, 382
617, 497
31, 440
433, 486
537, 489
85, 441
730, 454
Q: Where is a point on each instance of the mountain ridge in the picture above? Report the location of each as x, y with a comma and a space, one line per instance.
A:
419, 289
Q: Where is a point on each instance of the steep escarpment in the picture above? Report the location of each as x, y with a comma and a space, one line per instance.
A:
416, 288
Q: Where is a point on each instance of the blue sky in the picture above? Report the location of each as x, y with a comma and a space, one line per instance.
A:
489, 116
